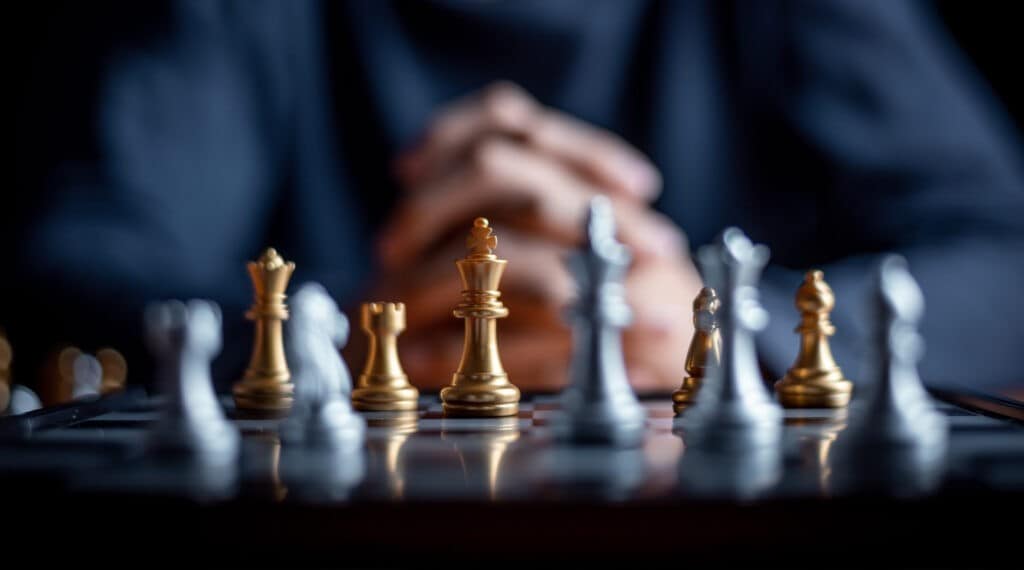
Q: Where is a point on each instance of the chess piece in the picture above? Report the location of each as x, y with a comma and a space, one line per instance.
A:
814, 380
735, 409
896, 439
14, 398
266, 386
322, 416
383, 385
58, 376
705, 349
87, 374
5, 373
115, 370
184, 340
599, 406
480, 387
23, 400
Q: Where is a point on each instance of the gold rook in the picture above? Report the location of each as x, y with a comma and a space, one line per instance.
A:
814, 380
383, 385
480, 387
266, 386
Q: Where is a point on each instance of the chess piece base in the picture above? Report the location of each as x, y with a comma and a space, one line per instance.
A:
383, 398
272, 397
828, 390
480, 395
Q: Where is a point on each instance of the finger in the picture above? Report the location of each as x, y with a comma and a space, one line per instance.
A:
506, 110
538, 193
604, 158
501, 108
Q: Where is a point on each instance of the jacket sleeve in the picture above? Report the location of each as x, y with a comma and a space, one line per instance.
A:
919, 161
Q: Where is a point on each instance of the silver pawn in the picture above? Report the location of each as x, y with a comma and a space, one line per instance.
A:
23, 401
87, 376
321, 415
185, 339
735, 410
896, 439
599, 406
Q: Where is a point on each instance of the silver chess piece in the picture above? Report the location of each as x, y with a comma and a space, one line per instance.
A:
23, 401
87, 377
185, 338
896, 439
322, 414
735, 409
599, 406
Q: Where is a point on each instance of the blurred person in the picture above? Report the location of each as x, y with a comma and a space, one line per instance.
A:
164, 144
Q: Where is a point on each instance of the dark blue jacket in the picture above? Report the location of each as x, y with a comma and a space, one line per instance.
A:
164, 144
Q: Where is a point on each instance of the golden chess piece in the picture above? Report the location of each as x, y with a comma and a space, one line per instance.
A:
5, 373
814, 380
58, 376
480, 387
115, 370
383, 385
705, 349
266, 386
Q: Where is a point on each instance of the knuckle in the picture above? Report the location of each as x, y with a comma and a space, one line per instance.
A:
486, 157
505, 104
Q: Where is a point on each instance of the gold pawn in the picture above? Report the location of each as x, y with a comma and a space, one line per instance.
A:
814, 380
383, 385
705, 349
266, 386
480, 387
5, 373
58, 376
115, 370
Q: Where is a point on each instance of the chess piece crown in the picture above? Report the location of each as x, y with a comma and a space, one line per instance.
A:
814, 380
266, 385
480, 386
705, 349
383, 385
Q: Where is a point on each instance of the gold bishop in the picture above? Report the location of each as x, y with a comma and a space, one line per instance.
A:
480, 387
266, 386
814, 380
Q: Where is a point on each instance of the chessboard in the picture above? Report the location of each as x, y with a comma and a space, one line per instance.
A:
429, 485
